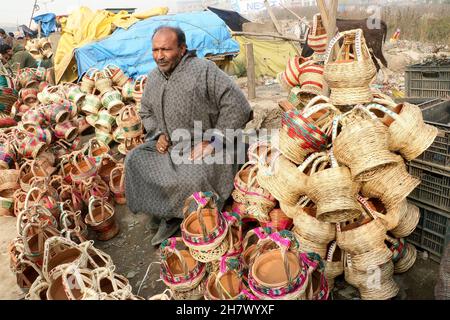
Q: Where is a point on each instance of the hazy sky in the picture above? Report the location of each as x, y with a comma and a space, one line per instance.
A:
19, 11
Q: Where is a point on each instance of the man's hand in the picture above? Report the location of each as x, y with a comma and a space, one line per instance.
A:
201, 150
162, 144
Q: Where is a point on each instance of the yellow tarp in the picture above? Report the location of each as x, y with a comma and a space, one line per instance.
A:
84, 26
271, 56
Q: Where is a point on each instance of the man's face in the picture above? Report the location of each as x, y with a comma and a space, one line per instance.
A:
7, 56
166, 52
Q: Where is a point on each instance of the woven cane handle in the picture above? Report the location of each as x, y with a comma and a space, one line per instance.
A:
310, 160
383, 109
318, 107
220, 288
338, 36
322, 160
385, 102
316, 99
331, 251
374, 214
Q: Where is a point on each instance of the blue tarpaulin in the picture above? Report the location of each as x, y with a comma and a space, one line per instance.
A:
48, 23
131, 49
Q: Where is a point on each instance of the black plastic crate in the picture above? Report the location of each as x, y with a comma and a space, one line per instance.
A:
433, 231
427, 81
438, 115
434, 188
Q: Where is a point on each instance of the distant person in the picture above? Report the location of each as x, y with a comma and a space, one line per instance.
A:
5, 39
17, 56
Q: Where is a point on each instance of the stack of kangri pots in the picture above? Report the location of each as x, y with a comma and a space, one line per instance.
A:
328, 193
58, 188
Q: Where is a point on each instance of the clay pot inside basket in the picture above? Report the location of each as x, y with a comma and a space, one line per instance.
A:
56, 291
66, 256
268, 269
106, 284
26, 278
175, 265
192, 223
97, 260
230, 282
355, 223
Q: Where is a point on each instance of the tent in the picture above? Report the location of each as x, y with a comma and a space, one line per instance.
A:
48, 23
233, 19
131, 49
83, 26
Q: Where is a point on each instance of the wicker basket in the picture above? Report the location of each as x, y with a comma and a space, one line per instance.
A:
103, 83
317, 38
362, 146
226, 285
364, 235
179, 270
390, 184
138, 88
292, 72
117, 184
259, 202
350, 73
130, 122
118, 77
307, 246
278, 220
96, 149
408, 222
408, 134
265, 279
82, 167
334, 265
312, 82
391, 215
303, 133
334, 193
101, 219
308, 227
281, 178
204, 229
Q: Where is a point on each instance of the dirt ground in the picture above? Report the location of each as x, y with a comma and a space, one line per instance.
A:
134, 255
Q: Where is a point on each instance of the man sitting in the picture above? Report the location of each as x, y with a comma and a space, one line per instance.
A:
181, 90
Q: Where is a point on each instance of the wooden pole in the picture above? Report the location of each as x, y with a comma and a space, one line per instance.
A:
293, 13
32, 13
39, 29
272, 16
251, 76
256, 34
